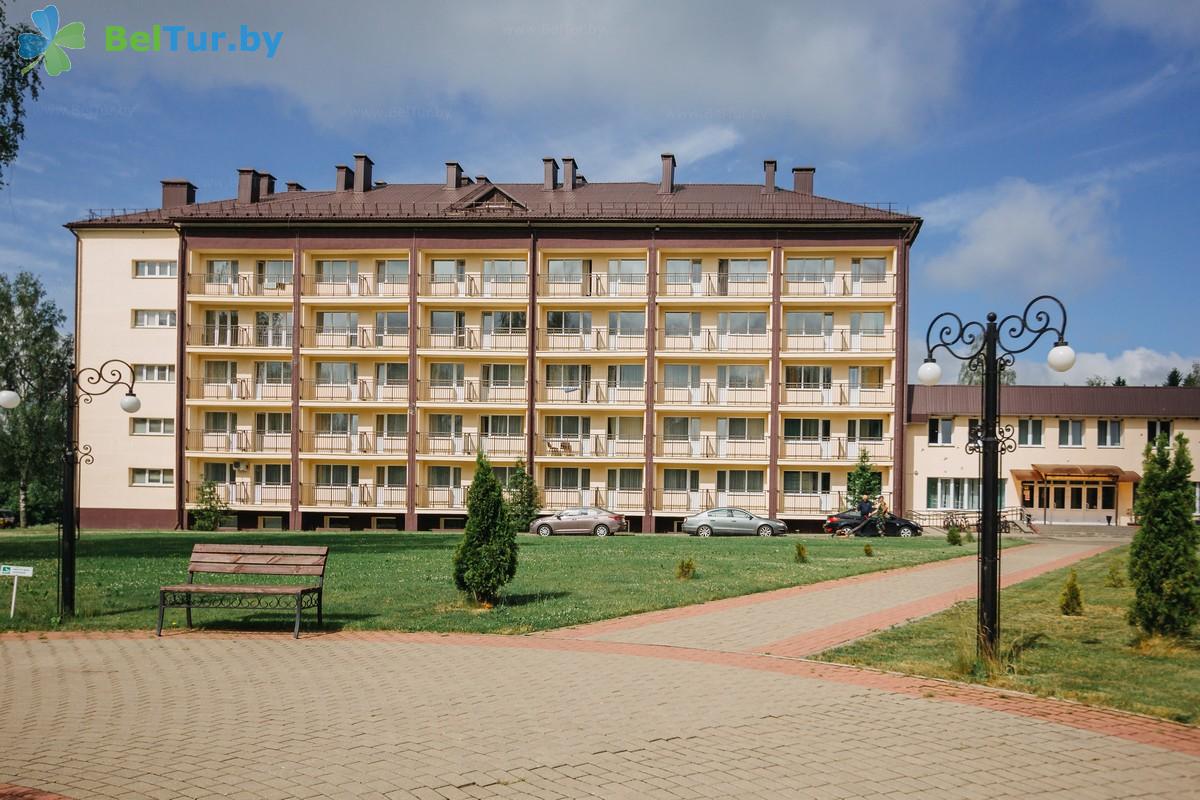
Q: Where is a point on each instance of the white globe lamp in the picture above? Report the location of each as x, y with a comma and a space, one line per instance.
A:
9, 399
1061, 357
130, 403
929, 373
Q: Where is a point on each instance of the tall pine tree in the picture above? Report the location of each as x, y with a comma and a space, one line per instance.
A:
486, 558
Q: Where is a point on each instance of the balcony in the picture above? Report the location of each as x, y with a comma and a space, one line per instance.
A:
473, 339
471, 390
597, 445
688, 502
622, 500
595, 284
241, 389
363, 285
244, 493
712, 340
838, 448
239, 286
361, 390
443, 497
596, 340
708, 446
240, 441
362, 442
838, 284
716, 284
841, 340
361, 337
596, 392
474, 285
239, 336
708, 393
838, 393
468, 444
361, 495
818, 503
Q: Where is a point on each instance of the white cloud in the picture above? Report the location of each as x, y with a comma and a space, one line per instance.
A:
1019, 233
1169, 21
1140, 366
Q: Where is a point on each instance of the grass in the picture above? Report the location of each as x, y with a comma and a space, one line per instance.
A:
402, 581
1095, 658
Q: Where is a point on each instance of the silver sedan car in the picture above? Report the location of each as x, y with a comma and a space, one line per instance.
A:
731, 521
585, 519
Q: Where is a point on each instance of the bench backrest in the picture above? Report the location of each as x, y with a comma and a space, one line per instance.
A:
259, 559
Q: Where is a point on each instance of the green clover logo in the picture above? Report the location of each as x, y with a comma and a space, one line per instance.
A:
48, 45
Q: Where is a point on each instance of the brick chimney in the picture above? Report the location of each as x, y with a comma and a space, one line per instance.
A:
454, 175
802, 180
667, 185
362, 172
247, 186
266, 184
569, 168
293, 186
768, 177
345, 179
549, 174
177, 192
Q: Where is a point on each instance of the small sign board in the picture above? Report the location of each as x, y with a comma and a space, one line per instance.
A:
10, 571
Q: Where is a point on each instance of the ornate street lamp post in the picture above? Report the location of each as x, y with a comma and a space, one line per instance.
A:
991, 347
81, 386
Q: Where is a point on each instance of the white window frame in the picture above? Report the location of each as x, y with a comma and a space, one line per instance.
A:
945, 431
165, 426
150, 373
1025, 430
154, 318
1072, 442
1104, 433
152, 268
151, 476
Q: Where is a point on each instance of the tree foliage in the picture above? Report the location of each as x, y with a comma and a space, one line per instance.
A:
863, 480
486, 558
14, 86
34, 360
1193, 377
523, 503
974, 377
210, 508
1174, 377
1119, 381
1097, 380
1164, 567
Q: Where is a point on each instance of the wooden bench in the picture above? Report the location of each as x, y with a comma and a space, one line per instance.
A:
249, 559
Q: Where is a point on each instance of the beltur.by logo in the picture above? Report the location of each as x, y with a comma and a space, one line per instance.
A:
176, 38
47, 47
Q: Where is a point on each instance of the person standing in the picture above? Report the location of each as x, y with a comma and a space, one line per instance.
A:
865, 509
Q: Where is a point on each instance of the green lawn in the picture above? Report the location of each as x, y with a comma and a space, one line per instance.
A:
403, 581
1096, 658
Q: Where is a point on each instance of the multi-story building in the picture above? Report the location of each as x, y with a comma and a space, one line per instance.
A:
334, 358
1075, 455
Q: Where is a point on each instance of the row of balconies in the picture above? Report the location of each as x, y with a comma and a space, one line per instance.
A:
598, 339
593, 284
597, 392
705, 446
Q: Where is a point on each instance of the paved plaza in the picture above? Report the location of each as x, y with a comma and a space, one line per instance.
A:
678, 704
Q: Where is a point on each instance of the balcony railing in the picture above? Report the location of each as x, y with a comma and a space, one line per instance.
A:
838, 393
373, 442
841, 340
624, 500
474, 285
443, 497
817, 503
708, 393
362, 389
241, 389
235, 336
363, 285
472, 338
713, 340
708, 446
837, 448
359, 337
240, 441
596, 339
360, 495
837, 284
471, 390
239, 286
715, 284
684, 501
596, 445
244, 493
595, 284
470, 443
591, 392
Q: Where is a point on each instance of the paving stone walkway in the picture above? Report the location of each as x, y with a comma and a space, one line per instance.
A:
595, 712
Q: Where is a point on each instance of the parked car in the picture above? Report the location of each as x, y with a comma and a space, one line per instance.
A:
731, 521
584, 519
8, 518
894, 526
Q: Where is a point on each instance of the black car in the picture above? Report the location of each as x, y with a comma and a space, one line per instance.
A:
849, 520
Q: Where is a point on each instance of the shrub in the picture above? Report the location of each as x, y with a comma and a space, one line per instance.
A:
969, 536
1070, 602
523, 503
954, 536
210, 508
868, 550
1163, 564
801, 553
1115, 578
486, 558
686, 569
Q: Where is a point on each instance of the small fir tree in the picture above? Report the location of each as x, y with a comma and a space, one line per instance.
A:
801, 553
1070, 602
1174, 377
1163, 564
863, 480
523, 503
486, 558
1119, 381
868, 551
210, 508
1115, 578
685, 570
954, 536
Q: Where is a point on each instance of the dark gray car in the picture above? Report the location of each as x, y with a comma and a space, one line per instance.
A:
731, 521
584, 519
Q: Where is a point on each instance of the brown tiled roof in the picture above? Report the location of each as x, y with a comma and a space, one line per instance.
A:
707, 202
1167, 402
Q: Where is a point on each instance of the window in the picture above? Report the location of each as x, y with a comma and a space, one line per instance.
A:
504, 375
568, 427
560, 375
342, 424
956, 493
336, 373
152, 477
154, 373
743, 322
1156, 428
806, 482
219, 473
941, 431
681, 376
1029, 432
272, 474
868, 270
1108, 432
391, 476
808, 377
627, 323
683, 270
681, 480
154, 269
566, 478
563, 322
742, 429
143, 318
808, 323
866, 377
442, 322
744, 270
1070, 433
502, 425
336, 475
864, 429
503, 322
741, 376
625, 480
678, 429
273, 422
391, 323
681, 323
739, 480
809, 270
275, 273
273, 328
337, 271
625, 428
273, 372
221, 271
867, 323
442, 477
443, 375
626, 270
391, 271
505, 270
445, 425
562, 270
448, 270
808, 430
392, 373
627, 376
152, 426
391, 425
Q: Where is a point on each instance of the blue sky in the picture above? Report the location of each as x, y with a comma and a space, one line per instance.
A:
1049, 146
